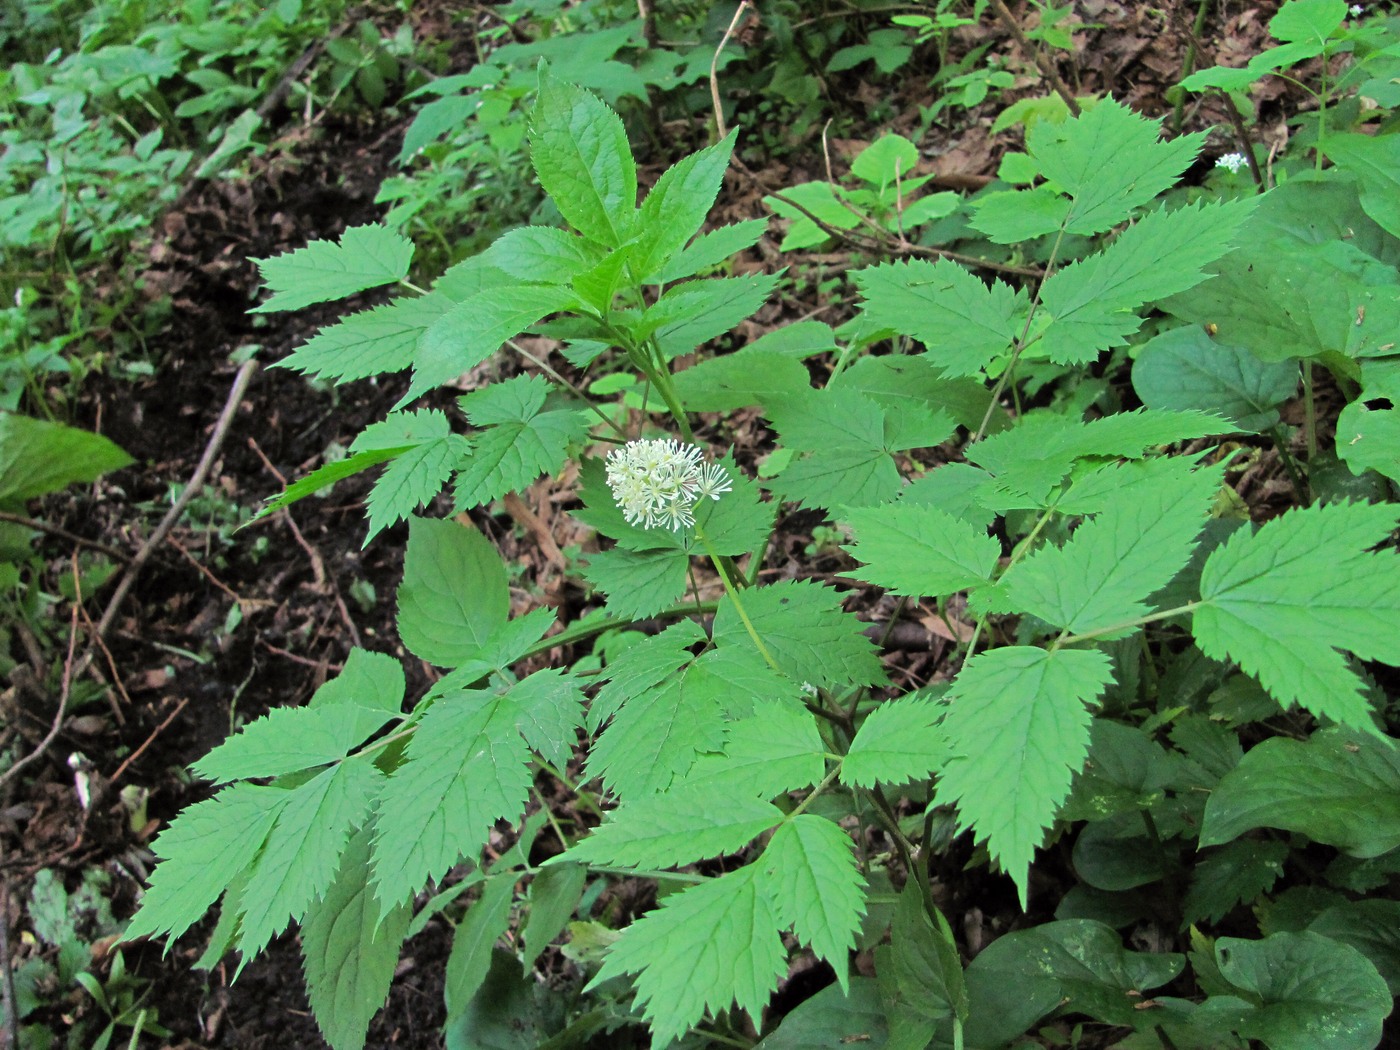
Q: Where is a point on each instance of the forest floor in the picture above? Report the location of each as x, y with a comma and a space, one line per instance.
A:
223, 625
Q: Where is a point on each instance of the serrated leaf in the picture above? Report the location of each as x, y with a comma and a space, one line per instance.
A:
1315, 991
1017, 725
679, 827
298, 861
1110, 161
963, 322
956, 489
898, 742
1282, 602
805, 630
677, 205
466, 767
366, 257
808, 871
1093, 303
1236, 874
526, 435
579, 150
1185, 369
38, 457
369, 343
542, 254
709, 249
657, 734
454, 595
920, 550
372, 680
641, 667
201, 852
291, 738
555, 893
411, 480
901, 383
475, 328
691, 314
327, 475
746, 377
349, 953
1013, 216
1339, 787
1116, 560
705, 947
638, 583
774, 750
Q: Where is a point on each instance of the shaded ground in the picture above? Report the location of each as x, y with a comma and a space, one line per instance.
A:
304, 591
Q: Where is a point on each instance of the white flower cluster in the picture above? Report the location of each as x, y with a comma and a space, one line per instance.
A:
658, 482
1232, 161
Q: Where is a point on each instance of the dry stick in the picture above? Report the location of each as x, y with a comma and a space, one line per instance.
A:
1046, 66
64, 692
184, 702
7, 976
64, 534
720, 129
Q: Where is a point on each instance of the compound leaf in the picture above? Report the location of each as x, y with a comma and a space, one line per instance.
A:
919, 550
527, 434
369, 343
1017, 724
349, 953
366, 257
705, 947
288, 739
638, 583
1131, 549
809, 873
774, 750
806, 632
1281, 602
899, 741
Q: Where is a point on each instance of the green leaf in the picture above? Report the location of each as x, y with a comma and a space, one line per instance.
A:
1340, 787
1116, 560
327, 475
821, 200
366, 257
473, 939
417, 474
475, 328
298, 862
291, 738
638, 583
677, 828
920, 550
38, 457
677, 205
1262, 299
642, 667
898, 742
806, 631
1110, 161
955, 488
887, 159
369, 343
705, 947
745, 377
368, 680
1374, 159
901, 383
1092, 303
555, 893
1017, 725
1077, 965
527, 434
349, 953
1372, 927
920, 972
849, 440
833, 1018
691, 314
709, 249
1013, 216
579, 150
454, 595
1311, 21
659, 731
466, 767
1033, 458
775, 750
1315, 991
962, 321
1282, 602
201, 852
1185, 369
1237, 874
542, 255
808, 871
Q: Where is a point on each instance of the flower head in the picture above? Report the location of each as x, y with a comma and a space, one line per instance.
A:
658, 482
1356, 10
1233, 162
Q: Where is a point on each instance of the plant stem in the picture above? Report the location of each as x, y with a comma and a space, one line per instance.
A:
1310, 407
1165, 614
733, 593
826, 783
1300, 486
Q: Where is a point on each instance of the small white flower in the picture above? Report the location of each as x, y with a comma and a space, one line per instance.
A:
658, 482
1233, 162
1356, 10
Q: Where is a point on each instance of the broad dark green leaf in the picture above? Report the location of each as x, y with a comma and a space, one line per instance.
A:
38, 457
1185, 368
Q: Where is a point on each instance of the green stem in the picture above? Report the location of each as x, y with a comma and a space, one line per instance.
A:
826, 783
733, 593
1310, 406
661, 378
588, 628
1300, 487
1165, 614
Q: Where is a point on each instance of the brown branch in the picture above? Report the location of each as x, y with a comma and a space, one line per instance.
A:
65, 691
739, 11
184, 702
63, 534
1045, 65
10, 1032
